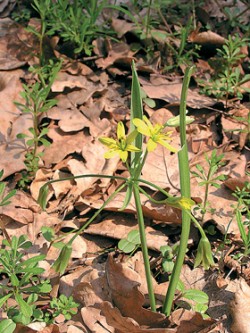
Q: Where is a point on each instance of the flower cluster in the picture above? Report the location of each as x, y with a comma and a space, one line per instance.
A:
156, 135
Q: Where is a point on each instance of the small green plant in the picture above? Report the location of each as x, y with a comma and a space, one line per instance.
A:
131, 243
76, 22
5, 198
36, 103
22, 279
195, 299
185, 52
242, 214
245, 121
168, 254
209, 178
63, 305
228, 81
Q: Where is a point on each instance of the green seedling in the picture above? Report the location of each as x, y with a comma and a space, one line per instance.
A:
242, 214
185, 52
196, 299
131, 243
168, 254
5, 198
228, 81
22, 280
209, 178
36, 103
129, 147
245, 121
76, 22
63, 305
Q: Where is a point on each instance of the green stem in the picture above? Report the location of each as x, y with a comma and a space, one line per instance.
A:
185, 192
156, 187
144, 246
148, 17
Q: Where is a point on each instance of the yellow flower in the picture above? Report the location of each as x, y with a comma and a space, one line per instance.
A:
122, 145
155, 133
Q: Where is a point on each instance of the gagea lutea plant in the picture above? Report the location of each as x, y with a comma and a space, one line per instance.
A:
129, 147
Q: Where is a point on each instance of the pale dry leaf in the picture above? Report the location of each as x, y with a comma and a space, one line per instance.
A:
118, 226
95, 321
117, 52
124, 324
75, 329
239, 308
22, 208
189, 321
121, 27
124, 284
161, 88
11, 46
206, 38
63, 144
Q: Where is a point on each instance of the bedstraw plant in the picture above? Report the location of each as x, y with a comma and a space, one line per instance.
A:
36, 104
130, 148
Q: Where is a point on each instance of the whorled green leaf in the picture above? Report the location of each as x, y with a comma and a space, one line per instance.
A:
4, 298
25, 308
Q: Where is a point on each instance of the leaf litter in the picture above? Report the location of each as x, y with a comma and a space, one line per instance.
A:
111, 289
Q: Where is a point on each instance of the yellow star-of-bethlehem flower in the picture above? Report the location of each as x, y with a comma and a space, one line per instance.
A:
122, 145
155, 133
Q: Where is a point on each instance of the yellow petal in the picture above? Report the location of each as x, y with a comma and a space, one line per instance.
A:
132, 148
151, 145
121, 131
111, 153
167, 145
123, 155
107, 141
141, 127
148, 123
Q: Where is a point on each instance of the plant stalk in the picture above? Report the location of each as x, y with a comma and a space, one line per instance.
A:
185, 192
144, 247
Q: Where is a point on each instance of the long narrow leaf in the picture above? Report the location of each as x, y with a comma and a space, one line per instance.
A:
136, 112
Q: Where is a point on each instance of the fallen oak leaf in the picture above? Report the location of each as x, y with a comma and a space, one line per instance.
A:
125, 324
239, 308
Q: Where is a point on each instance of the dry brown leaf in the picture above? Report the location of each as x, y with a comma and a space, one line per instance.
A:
234, 183
161, 88
12, 49
75, 329
239, 308
63, 144
206, 38
189, 321
118, 226
124, 324
95, 321
117, 52
123, 283
22, 208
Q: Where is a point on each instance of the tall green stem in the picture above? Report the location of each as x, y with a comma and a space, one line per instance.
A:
144, 246
185, 192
